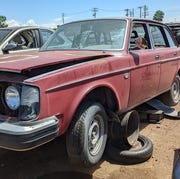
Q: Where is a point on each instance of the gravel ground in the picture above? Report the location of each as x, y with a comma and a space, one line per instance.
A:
50, 161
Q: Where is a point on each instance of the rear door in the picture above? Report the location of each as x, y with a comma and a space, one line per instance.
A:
166, 52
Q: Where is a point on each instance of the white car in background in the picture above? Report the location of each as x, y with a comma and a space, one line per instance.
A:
23, 38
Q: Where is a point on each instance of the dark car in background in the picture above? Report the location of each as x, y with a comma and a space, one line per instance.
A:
175, 27
22, 38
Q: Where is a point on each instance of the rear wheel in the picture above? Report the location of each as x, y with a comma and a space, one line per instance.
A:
172, 97
87, 135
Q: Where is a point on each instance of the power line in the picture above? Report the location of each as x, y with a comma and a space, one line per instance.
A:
71, 14
111, 10
142, 11
80, 12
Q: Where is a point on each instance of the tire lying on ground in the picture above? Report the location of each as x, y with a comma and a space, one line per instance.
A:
140, 152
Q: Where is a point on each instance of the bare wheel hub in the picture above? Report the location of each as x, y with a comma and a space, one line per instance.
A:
94, 135
175, 90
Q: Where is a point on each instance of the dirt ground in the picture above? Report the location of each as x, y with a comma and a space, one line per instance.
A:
50, 161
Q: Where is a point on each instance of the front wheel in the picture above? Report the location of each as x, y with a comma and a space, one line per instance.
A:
172, 97
87, 135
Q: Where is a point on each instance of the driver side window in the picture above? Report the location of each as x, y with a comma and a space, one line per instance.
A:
21, 41
139, 39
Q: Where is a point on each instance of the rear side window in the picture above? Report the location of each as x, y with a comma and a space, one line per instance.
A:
157, 36
169, 38
161, 37
45, 34
4, 33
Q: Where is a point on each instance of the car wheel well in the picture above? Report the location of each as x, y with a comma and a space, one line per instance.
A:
178, 73
104, 96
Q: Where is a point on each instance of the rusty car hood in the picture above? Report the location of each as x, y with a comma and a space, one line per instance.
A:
26, 61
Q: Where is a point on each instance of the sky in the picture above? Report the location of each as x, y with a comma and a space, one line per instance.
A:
49, 13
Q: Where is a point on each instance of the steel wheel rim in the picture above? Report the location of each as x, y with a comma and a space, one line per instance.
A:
175, 91
95, 135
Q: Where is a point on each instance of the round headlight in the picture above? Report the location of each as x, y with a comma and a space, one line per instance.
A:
12, 97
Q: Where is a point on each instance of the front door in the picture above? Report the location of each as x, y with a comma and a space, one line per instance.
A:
145, 68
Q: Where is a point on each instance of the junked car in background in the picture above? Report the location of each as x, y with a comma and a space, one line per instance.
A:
22, 38
175, 27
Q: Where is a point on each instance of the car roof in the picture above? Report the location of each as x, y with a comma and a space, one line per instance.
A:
116, 18
25, 27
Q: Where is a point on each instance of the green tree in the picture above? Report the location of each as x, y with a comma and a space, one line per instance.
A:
158, 16
3, 21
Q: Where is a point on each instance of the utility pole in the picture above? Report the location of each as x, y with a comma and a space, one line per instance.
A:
132, 13
145, 11
94, 10
127, 12
63, 18
140, 11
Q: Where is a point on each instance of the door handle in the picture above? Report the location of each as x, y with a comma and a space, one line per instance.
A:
157, 57
174, 53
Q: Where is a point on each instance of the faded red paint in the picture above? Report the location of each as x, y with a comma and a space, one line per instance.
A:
134, 77
18, 62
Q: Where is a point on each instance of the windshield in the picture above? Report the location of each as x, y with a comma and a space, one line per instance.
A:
4, 33
91, 35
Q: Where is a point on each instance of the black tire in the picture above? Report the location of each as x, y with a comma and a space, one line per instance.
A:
87, 135
126, 130
133, 155
172, 97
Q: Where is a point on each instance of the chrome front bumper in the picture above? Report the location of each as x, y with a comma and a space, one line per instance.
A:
28, 135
